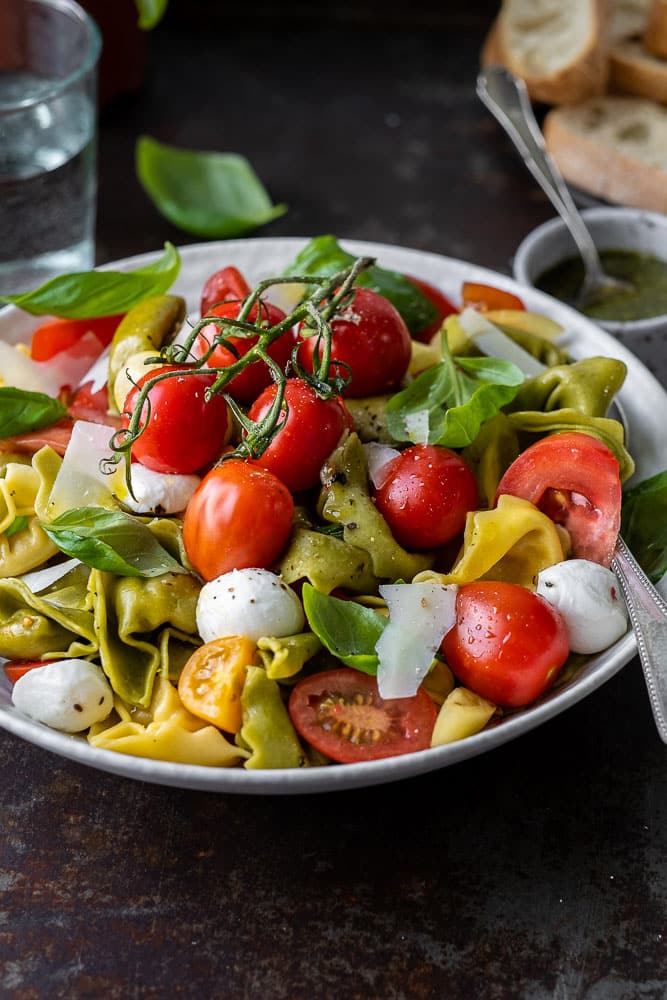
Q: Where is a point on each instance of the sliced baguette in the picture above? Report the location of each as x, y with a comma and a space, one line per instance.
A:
655, 32
614, 148
627, 19
557, 46
633, 70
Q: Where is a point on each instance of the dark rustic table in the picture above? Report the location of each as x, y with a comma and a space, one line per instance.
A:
535, 871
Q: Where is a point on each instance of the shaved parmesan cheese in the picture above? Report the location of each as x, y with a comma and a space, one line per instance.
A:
493, 342
417, 426
20, 371
98, 373
378, 457
80, 482
420, 615
40, 579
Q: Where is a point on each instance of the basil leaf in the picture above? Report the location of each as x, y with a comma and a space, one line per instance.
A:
150, 12
347, 629
112, 541
457, 396
324, 255
214, 195
644, 524
19, 523
88, 294
22, 411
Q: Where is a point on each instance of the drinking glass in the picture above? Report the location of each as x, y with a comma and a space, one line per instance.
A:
49, 51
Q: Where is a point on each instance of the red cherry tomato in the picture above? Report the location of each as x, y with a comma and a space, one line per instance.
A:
508, 644
341, 714
58, 335
574, 479
15, 669
311, 432
226, 284
246, 387
184, 432
370, 336
485, 297
440, 301
239, 516
425, 495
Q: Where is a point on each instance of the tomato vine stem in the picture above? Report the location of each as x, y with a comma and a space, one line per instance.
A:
327, 295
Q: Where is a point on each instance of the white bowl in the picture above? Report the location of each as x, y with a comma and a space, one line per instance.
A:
611, 229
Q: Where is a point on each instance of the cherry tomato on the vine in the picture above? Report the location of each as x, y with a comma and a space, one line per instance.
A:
311, 432
184, 433
438, 299
240, 516
508, 644
425, 494
247, 385
341, 714
370, 337
574, 479
224, 285
486, 297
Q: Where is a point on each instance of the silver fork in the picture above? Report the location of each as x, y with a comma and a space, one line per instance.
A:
507, 99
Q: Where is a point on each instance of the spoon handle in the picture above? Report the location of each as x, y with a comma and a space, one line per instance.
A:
507, 99
648, 614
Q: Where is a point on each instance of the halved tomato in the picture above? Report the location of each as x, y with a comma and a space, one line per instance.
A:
485, 297
341, 714
14, 669
574, 479
56, 335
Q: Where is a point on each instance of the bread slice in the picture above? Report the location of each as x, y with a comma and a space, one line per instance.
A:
627, 19
614, 148
655, 32
633, 70
557, 46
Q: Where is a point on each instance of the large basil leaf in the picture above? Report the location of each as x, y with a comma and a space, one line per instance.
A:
644, 524
112, 541
214, 195
347, 629
88, 294
448, 403
150, 12
324, 256
22, 411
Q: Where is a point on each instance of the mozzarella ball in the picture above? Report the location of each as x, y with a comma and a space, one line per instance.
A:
69, 695
590, 600
248, 602
159, 492
134, 368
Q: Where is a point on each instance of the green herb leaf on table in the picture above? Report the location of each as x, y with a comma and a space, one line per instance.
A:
324, 255
208, 194
22, 411
112, 541
88, 294
644, 524
349, 631
448, 403
150, 12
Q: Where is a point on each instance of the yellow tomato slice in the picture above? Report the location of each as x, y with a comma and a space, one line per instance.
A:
212, 680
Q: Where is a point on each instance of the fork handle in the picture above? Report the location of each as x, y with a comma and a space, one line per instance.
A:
507, 99
648, 615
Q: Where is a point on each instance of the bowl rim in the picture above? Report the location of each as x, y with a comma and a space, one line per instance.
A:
547, 231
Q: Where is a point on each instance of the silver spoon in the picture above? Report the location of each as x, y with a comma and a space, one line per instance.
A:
507, 99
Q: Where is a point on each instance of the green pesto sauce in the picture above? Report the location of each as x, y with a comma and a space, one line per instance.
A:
646, 273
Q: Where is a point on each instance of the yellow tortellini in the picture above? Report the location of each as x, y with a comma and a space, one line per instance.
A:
28, 547
513, 543
172, 734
